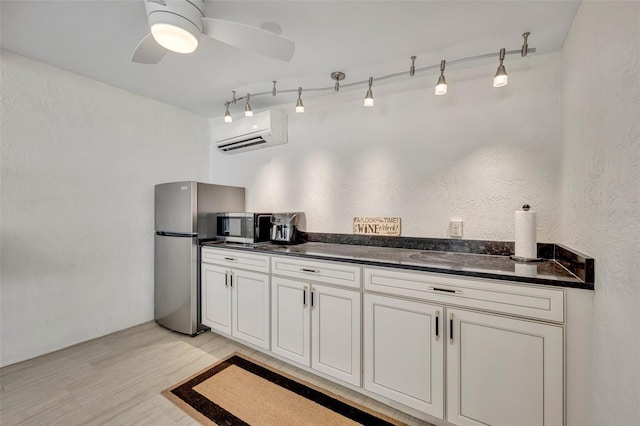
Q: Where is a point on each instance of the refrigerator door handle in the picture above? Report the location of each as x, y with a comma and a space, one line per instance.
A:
176, 234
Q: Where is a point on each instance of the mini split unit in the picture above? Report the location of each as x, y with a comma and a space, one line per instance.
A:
265, 129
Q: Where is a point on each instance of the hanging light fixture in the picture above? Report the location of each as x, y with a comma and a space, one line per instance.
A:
441, 87
227, 114
368, 99
248, 112
299, 104
501, 78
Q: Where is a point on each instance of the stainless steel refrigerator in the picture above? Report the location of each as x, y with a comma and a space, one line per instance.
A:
185, 214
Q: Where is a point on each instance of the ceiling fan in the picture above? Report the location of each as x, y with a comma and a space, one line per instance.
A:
176, 25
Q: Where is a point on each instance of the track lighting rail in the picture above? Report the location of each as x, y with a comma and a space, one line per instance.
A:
524, 51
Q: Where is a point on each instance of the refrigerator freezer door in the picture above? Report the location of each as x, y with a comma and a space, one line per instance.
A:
214, 199
175, 207
176, 283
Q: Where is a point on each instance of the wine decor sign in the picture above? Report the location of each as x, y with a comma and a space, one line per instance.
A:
387, 226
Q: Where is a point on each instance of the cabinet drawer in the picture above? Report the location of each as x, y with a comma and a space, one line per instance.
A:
327, 272
510, 298
236, 259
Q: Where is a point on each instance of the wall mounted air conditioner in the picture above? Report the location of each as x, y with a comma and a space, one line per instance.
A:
264, 129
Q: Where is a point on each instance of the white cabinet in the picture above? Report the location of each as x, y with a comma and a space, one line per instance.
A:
236, 301
404, 352
317, 325
503, 371
500, 369
291, 319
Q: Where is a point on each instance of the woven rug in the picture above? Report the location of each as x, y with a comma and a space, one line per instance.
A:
241, 391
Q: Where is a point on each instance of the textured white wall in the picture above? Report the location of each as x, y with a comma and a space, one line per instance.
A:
601, 192
476, 154
79, 161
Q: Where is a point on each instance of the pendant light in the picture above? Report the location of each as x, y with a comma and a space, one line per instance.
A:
368, 99
299, 104
227, 114
501, 78
441, 87
248, 112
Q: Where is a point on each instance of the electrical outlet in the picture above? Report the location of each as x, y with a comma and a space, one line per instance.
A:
455, 228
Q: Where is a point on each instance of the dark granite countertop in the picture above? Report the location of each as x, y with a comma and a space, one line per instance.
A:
501, 267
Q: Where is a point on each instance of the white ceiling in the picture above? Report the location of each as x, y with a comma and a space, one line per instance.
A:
95, 38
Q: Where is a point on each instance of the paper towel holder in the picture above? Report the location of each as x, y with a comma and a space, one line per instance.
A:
526, 208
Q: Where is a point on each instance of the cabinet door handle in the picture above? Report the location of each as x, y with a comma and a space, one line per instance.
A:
230, 259
226, 279
312, 291
451, 328
231, 279
437, 325
445, 290
304, 297
314, 271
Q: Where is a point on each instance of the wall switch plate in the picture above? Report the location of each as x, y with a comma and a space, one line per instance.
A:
455, 228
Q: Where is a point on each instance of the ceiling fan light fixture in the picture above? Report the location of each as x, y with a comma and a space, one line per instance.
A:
174, 38
175, 25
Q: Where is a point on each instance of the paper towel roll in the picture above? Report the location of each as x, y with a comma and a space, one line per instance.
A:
526, 240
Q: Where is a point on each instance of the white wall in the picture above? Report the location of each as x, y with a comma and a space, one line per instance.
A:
79, 161
601, 192
476, 154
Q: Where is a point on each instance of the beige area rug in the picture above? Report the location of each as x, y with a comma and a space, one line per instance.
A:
241, 391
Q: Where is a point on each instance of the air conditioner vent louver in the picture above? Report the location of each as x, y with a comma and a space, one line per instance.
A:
263, 130
231, 146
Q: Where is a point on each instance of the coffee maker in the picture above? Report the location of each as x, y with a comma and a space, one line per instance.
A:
288, 228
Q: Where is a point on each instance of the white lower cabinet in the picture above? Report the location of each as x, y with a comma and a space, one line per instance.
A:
236, 302
404, 352
317, 326
503, 371
465, 350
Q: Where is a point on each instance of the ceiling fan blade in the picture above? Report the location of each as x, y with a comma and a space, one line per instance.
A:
148, 51
249, 38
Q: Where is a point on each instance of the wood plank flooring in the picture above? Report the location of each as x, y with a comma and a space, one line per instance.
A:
117, 380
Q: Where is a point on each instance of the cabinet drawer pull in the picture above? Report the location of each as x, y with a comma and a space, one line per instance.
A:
230, 259
451, 328
437, 325
314, 271
445, 290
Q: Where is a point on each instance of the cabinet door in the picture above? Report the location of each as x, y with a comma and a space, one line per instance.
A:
216, 298
503, 371
250, 307
290, 328
404, 352
335, 333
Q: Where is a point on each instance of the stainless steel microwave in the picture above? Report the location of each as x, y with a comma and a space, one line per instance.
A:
246, 228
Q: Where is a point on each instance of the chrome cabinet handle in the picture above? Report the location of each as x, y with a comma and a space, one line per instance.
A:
445, 290
451, 328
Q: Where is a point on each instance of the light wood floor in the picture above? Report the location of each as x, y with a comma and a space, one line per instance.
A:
117, 380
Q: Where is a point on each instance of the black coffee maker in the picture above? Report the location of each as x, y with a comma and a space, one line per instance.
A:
288, 228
